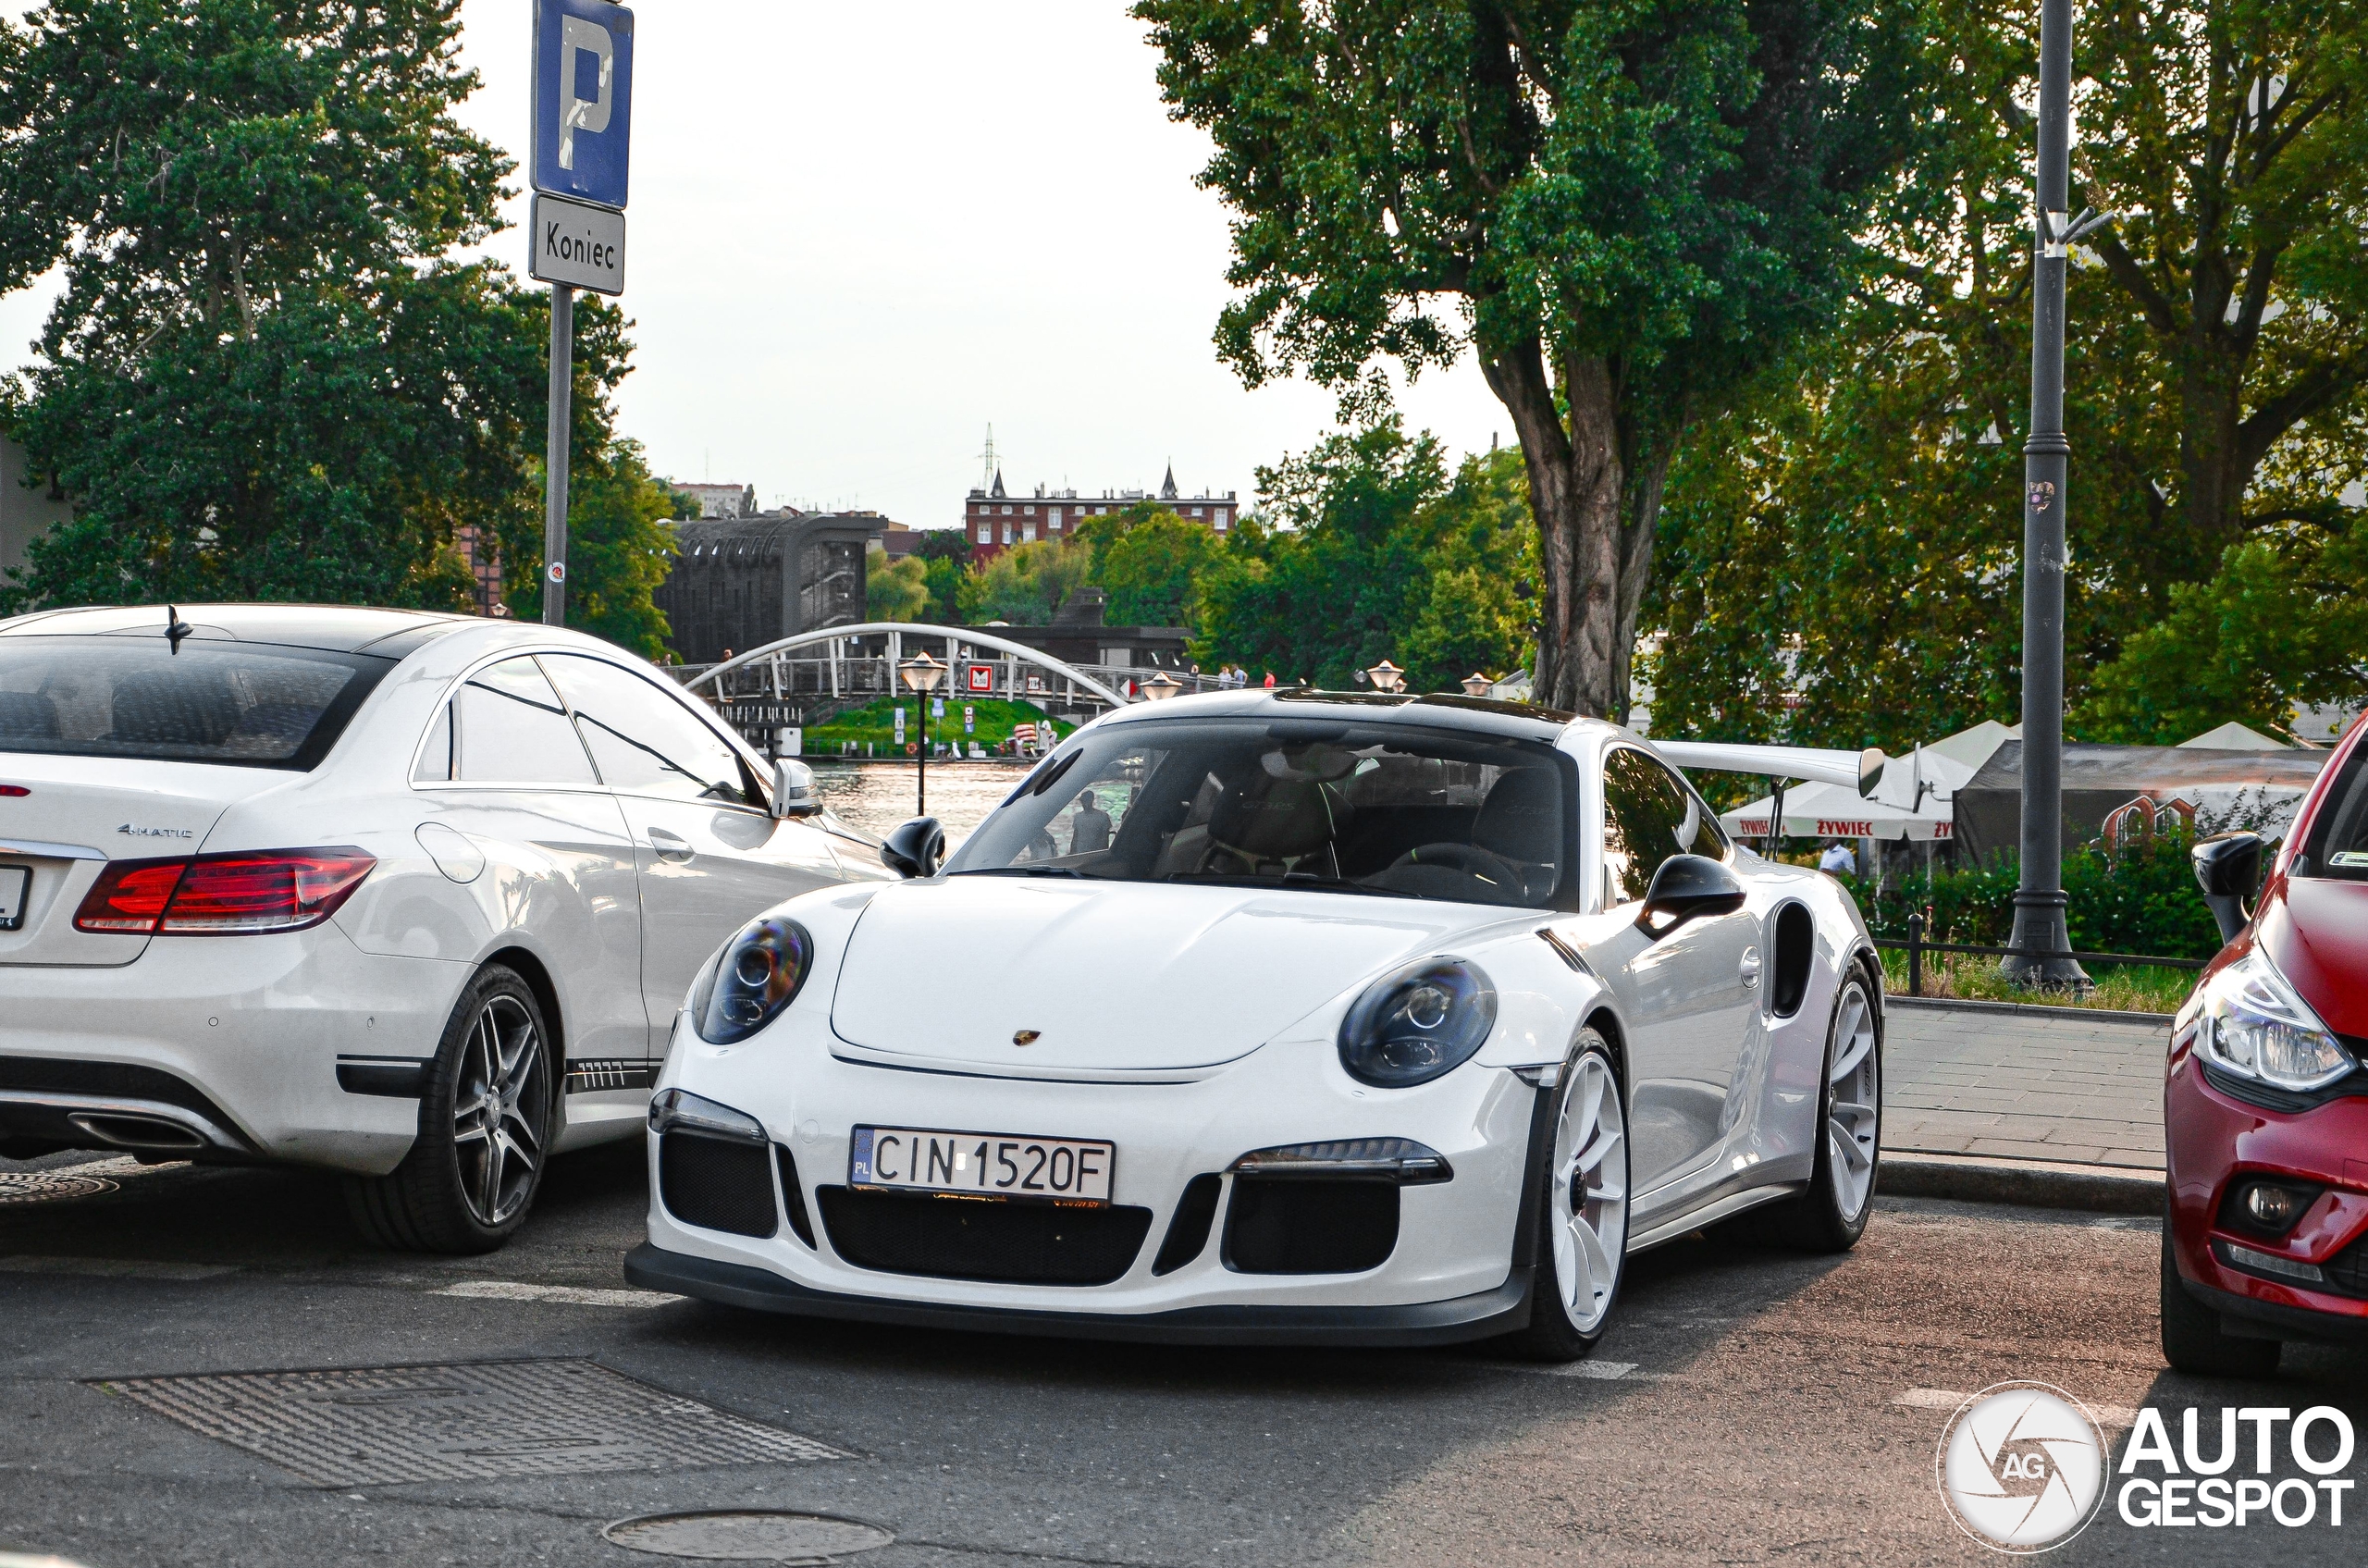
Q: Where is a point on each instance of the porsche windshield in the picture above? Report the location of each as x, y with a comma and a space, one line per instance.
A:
1386, 809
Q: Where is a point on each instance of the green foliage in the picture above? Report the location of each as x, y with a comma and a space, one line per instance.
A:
2140, 898
875, 723
1635, 205
1842, 535
894, 590
262, 381
1151, 563
1025, 584
1377, 554
2284, 622
619, 546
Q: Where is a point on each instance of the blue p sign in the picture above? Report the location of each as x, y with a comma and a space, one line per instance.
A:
583, 99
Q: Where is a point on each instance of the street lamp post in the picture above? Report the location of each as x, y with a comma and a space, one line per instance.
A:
1387, 677
2038, 899
1162, 686
1476, 684
921, 674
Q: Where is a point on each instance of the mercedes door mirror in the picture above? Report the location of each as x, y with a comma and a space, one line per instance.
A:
2227, 867
795, 794
1687, 888
915, 848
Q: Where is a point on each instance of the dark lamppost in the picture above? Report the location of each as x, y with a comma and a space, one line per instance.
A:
2038, 899
921, 675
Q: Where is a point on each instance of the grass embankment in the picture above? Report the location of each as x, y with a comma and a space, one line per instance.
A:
875, 724
2132, 988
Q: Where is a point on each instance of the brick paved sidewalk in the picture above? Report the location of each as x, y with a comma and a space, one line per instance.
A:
2025, 1084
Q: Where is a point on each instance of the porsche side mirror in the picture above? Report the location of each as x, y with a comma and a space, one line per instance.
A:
795, 794
2227, 867
915, 848
1687, 887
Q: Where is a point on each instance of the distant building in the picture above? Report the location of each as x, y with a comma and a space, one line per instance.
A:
995, 521
720, 501
742, 581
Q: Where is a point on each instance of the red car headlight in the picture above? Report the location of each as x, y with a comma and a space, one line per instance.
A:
2255, 1025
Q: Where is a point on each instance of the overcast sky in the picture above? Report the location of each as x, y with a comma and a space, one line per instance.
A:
861, 234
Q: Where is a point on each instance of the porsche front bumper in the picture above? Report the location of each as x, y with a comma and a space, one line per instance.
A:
1455, 1270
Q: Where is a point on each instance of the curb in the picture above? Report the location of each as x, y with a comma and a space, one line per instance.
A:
1968, 1005
2030, 1183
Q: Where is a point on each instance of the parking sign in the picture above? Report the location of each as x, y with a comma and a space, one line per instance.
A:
583, 99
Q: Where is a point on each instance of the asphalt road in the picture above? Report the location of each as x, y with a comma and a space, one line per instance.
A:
1749, 1405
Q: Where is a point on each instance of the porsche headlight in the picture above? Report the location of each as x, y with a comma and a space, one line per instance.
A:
1424, 1020
759, 973
2254, 1024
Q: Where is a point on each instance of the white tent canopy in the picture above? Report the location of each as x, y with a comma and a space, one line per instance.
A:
1916, 800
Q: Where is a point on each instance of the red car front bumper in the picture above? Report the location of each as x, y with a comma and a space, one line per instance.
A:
2213, 1139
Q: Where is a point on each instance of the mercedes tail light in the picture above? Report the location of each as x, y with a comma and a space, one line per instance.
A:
233, 895
130, 895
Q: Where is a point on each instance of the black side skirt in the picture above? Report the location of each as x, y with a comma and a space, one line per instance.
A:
1485, 1315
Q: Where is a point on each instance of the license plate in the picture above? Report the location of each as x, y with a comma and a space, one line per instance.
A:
16, 885
982, 1164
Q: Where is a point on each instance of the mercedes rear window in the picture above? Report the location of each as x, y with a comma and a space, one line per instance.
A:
238, 704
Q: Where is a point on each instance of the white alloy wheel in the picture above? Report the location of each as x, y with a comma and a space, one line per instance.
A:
1854, 1101
1587, 1223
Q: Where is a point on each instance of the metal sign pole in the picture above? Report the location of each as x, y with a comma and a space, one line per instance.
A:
555, 437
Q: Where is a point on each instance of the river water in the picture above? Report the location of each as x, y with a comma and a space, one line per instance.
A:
875, 797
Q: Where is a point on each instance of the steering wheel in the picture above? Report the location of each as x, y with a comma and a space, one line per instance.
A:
1469, 859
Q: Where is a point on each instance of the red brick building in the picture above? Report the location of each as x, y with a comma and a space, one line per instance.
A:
994, 521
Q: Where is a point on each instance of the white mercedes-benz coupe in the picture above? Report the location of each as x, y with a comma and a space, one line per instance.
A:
411, 897
1282, 1017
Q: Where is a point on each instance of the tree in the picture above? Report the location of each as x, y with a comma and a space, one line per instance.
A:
619, 546
262, 380
1843, 535
1635, 205
1025, 584
896, 590
1150, 562
946, 553
1377, 554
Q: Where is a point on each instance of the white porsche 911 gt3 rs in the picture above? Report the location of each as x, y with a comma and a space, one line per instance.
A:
1282, 1017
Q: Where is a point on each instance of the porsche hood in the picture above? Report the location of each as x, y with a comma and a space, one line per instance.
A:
1114, 976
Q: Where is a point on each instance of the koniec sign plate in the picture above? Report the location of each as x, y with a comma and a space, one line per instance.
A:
578, 244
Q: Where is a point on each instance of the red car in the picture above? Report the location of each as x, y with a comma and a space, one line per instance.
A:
2266, 1103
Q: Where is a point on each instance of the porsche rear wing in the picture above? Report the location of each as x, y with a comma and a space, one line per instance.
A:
1861, 770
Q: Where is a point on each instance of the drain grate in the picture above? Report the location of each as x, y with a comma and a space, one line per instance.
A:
41, 1186
462, 1421
803, 1541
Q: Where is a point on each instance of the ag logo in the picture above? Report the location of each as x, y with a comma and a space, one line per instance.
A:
2022, 1466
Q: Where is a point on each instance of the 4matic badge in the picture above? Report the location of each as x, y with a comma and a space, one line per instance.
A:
133, 831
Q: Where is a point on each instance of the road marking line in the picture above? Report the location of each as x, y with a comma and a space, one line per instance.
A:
1598, 1371
1949, 1399
115, 1268
574, 1295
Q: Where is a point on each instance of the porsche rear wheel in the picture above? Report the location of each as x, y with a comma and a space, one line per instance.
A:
1582, 1220
1831, 1214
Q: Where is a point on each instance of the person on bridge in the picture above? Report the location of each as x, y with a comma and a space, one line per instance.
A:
1089, 829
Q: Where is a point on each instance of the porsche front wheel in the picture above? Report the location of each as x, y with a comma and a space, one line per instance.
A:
1582, 1238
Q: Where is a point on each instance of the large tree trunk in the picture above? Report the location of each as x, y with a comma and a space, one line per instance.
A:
1595, 536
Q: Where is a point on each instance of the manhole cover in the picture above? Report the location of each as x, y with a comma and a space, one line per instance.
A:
41, 1186
749, 1537
462, 1421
